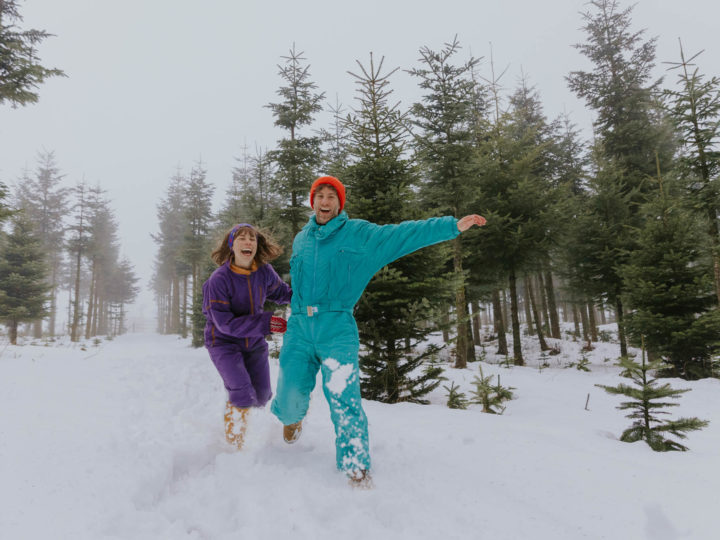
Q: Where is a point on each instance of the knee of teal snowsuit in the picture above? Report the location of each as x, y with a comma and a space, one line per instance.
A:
330, 267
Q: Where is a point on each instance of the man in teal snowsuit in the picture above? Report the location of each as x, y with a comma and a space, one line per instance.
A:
333, 259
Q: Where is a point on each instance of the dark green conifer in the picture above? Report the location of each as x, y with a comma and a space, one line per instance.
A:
393, 312
20, 71
670, 288
23, 276
644, 407
456, 399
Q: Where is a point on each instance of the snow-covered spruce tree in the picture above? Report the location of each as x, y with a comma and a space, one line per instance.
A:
401, 298
23, 276
630, 128
296, 158
445, 146
645, 407
20, 71
695, 109
45, 202
669, 287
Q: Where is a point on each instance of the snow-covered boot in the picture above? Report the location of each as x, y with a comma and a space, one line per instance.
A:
291, 433
360, 479
235, 424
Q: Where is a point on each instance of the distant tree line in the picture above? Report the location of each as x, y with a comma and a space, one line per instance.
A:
58, 238
623, 228
62, 239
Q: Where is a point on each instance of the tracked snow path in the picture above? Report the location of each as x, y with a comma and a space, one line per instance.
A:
125, 441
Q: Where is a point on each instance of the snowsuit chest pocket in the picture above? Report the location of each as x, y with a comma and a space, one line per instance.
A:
346, 269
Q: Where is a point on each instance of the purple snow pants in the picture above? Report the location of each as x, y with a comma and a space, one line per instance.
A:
246, 374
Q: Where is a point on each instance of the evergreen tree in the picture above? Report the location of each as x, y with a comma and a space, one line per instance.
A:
490, 396
120, 291
336, 157
23, 276
630, 129
644, 407
517, 196
197, 240
45, 203
445, 148
77, 246
599, 239
297, 158
170, 267
399, 299
456, 399
695, 108
20, 71
669, 287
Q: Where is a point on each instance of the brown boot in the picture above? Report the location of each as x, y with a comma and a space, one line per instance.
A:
291, 433
360, 479
235, 425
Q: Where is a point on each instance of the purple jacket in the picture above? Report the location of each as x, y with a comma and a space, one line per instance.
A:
233, 300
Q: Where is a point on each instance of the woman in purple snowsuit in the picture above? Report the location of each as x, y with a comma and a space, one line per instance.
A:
233, 300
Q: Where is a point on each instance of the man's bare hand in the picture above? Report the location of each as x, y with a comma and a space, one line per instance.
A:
465, 223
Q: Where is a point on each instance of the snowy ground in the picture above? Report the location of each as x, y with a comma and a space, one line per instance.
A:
125, 440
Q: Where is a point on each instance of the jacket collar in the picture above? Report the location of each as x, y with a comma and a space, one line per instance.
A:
240, 270
324, 231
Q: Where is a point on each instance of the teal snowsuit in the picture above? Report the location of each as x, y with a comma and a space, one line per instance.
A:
330, 267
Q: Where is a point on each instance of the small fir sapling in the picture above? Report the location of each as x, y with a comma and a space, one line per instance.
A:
644, 406
456, 399
490, 396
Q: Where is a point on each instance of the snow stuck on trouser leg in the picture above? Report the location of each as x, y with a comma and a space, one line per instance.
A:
341, 385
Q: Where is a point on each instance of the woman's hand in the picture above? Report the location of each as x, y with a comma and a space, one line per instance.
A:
465, 223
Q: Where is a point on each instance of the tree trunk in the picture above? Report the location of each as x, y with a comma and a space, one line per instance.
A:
184, 325
584, 318
499, 326
175, 308
446, 324
517, 341
533, 306
601, 309
91, 300
462, 348
74, 334
37, 329
53, 302
505, 313
543, 302
620, 316
552, 306
475, 305
576, 319
13, 332
526, 306
592, 322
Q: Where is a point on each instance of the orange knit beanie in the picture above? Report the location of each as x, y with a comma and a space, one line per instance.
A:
330, 181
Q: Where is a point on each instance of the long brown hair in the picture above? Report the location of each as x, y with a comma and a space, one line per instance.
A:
267, 248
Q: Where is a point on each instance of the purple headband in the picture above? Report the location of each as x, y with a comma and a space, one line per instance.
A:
234, 231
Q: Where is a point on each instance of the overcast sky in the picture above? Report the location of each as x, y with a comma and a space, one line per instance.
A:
154, 85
